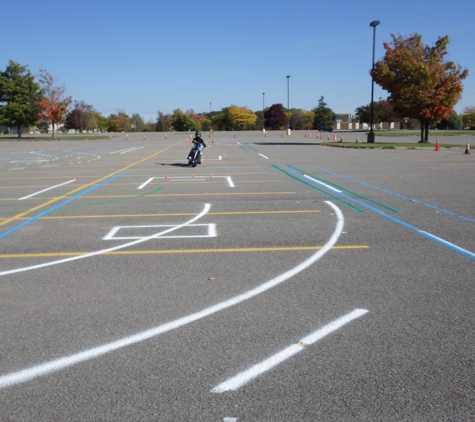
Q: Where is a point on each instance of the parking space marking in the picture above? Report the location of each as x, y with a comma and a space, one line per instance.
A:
211, 232
47, 189
243, 378
55, 365
145, 183
102, 251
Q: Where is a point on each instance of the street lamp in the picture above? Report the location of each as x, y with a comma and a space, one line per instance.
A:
263, 119
288, 105
210, 128
370, 138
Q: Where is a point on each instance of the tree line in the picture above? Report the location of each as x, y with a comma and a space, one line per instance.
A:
423, 89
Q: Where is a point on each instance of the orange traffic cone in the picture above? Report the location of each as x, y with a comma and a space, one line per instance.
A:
234, 135
321, 136
127, 137
144, 137
437, 147
110, 136
309, 135
212, 141
166, 136
467, 149
334, 138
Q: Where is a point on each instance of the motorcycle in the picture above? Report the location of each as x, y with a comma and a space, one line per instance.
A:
195, 156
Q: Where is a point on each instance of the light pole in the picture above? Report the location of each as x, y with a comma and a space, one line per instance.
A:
263, 119
210, 128
370, 138
288, 105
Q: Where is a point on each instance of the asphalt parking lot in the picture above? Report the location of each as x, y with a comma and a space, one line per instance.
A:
280, 281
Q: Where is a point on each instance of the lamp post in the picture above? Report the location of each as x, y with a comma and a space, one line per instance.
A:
288, 105
263, 119
210, 128
370, 138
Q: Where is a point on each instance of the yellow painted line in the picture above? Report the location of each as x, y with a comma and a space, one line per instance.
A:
181, 251
180, 214
55, 199
157, 195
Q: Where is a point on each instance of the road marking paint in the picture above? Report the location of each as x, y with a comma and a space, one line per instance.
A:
321, 183
230, 181
211, 232
85, 355
145, 183
186, 251
448, 244
44, 190
253, 372
262, 155
133, 149
102, 251
8, 220
230, 419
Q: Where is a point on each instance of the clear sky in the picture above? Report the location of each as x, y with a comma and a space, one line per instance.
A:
142, 56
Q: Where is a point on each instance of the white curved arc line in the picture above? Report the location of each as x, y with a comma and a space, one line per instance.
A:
64, 362
114, 248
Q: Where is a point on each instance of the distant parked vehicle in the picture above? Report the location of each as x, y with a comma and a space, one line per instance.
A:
325, 129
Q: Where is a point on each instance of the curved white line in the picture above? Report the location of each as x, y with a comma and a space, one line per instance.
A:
115, 248
64, 362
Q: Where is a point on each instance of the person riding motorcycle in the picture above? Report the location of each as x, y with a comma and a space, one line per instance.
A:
197, 140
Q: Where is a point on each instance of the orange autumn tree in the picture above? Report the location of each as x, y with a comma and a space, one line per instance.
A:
53, 104
421, 83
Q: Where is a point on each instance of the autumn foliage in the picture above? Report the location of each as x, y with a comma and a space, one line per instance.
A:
421, 83
53, 104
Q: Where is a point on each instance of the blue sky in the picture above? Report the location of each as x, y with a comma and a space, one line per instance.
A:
143, 56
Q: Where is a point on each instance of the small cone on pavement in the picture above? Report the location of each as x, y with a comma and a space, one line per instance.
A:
321, 136
166, 136
341, 140
144, 137
334, 138
437, 146
234, 135
467, 149
357, 140
309, 135
110, 136
328, 137
305, 135
282, 134
127, 137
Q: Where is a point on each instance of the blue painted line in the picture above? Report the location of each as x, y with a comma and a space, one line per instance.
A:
448, 244
448, 212
392, 193
36, 217
409, 226
466, 218
401, 196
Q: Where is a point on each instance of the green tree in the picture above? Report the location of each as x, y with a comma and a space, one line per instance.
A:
383, 111
468, 117
181, 122
164, 122
453, 122
119, 122
19, 97
137, 123
324, 116
421, 83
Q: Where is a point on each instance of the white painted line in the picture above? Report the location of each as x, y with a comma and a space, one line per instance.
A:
120, 150
133, 149
238, 143
115, 248
264, 156
229, 419
64, 362
44, 190
321, 183
231, 184
112, 234
145, 183
245, 377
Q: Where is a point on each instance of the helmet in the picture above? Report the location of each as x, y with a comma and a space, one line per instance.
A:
197, 133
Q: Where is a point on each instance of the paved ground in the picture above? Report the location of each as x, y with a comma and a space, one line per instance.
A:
282, 281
